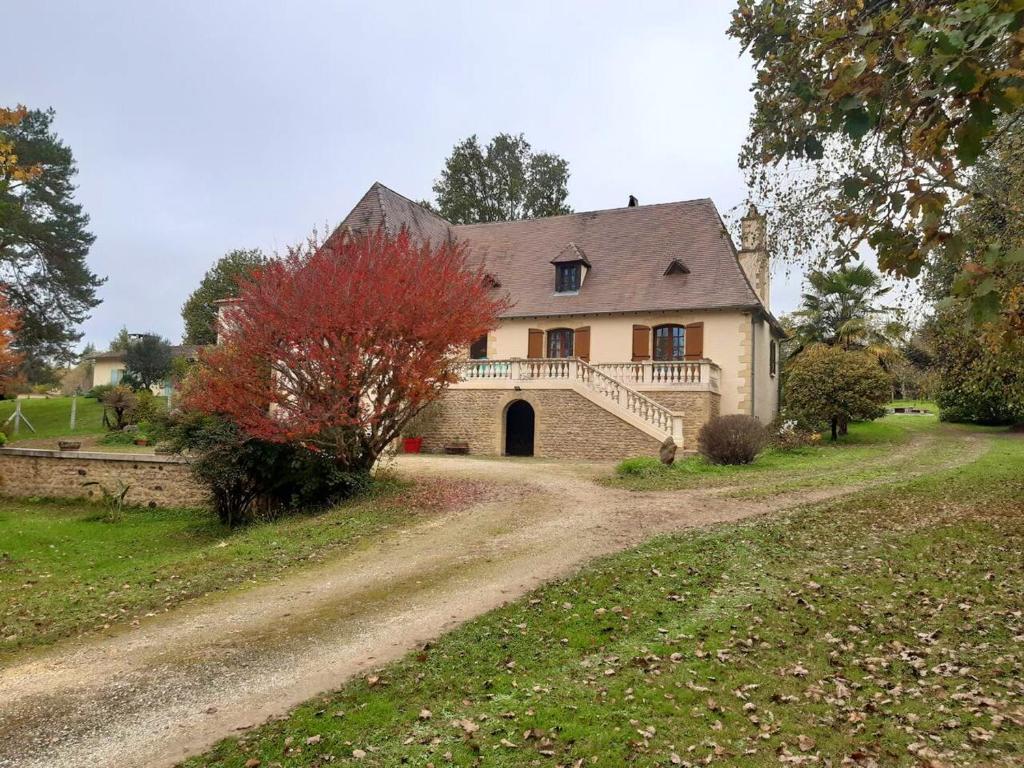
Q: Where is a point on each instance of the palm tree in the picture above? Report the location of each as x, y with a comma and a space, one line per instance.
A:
841, 308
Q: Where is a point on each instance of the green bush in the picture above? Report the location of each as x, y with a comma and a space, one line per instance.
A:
732, 439
249, 478
3, 439
99, 391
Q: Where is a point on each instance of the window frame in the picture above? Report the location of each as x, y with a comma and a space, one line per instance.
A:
475, 347
567, 333
574, 268
672, 358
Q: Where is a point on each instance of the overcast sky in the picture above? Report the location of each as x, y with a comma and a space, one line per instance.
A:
203, 126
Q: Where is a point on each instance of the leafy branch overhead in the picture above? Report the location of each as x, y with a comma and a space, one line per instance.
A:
870, 116
505, 181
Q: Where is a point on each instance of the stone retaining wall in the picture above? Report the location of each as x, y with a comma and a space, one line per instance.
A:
697, 408
567, 425
155, 481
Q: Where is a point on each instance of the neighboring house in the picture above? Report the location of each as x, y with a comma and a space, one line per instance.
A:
628, 326
109, 367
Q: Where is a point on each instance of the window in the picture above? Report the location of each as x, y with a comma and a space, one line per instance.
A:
567, 277
560, 342
115, 376
772, 357
669, 342
478, 349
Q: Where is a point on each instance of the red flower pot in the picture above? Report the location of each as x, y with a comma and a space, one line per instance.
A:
412, 444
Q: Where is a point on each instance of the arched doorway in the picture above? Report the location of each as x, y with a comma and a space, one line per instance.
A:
519, 429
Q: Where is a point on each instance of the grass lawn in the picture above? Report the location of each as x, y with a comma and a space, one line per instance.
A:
65, 569
867, 442
885, 629
52, 417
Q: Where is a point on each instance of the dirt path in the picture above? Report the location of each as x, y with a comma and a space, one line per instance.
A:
172, 687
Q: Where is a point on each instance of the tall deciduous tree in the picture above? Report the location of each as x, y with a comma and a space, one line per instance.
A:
147, 360
43, 237
220, 282
505, 181
869, 117
336, 347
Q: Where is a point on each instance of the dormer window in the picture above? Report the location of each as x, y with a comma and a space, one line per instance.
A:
567, 277
571, 266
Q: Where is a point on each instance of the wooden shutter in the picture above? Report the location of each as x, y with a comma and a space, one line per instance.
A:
535, 347
695, 341
581, 343
641, 342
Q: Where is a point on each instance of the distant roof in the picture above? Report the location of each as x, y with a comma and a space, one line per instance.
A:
383, 208
177, 350
627, 251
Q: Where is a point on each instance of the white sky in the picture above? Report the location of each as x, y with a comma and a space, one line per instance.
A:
203, 126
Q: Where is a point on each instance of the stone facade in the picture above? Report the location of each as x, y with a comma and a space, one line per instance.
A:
155, 481
697, 409
566, 425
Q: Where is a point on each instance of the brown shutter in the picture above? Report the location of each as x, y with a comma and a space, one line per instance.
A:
581, 343
695, 341
535, 348
641, 342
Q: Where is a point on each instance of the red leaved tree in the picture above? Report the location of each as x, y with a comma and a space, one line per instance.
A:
9, 359
337, 346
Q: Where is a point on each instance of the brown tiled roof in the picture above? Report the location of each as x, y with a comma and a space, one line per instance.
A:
188, 351
628, 251
382, 207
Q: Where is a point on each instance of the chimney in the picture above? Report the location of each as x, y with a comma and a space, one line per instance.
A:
633, 202
753, 254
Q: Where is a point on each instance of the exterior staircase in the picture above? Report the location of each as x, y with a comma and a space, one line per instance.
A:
600, 388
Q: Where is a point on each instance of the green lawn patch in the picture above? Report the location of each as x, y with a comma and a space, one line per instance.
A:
67, 567
882, 630
52, 417
866, 442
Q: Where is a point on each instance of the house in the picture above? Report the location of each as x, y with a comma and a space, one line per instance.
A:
109, 367
628, 326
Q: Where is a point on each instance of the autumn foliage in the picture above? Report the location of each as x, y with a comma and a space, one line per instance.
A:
9, 359
336, 347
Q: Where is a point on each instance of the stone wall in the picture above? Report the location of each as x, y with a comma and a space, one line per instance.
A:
697, 409
155, 481
566, 425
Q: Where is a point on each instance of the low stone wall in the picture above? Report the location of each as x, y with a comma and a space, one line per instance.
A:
155, 481
697, 408
566, 426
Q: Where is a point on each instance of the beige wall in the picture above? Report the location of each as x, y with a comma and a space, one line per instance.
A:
766, 386
102, 369
726, 342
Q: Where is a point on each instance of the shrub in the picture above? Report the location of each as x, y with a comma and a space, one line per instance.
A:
99, 391
640, 466
789, 434
830, 385
118, 403
249, 477
3, 439
734, 439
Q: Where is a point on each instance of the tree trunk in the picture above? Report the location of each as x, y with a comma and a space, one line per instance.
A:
835, 428
844, 424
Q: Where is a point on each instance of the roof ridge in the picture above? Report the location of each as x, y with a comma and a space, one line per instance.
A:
692, 201
381, 185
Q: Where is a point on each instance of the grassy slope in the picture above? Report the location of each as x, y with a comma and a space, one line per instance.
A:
65, 569
52, 417
885, 629
870, 451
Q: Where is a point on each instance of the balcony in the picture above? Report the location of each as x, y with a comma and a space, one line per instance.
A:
693, 375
